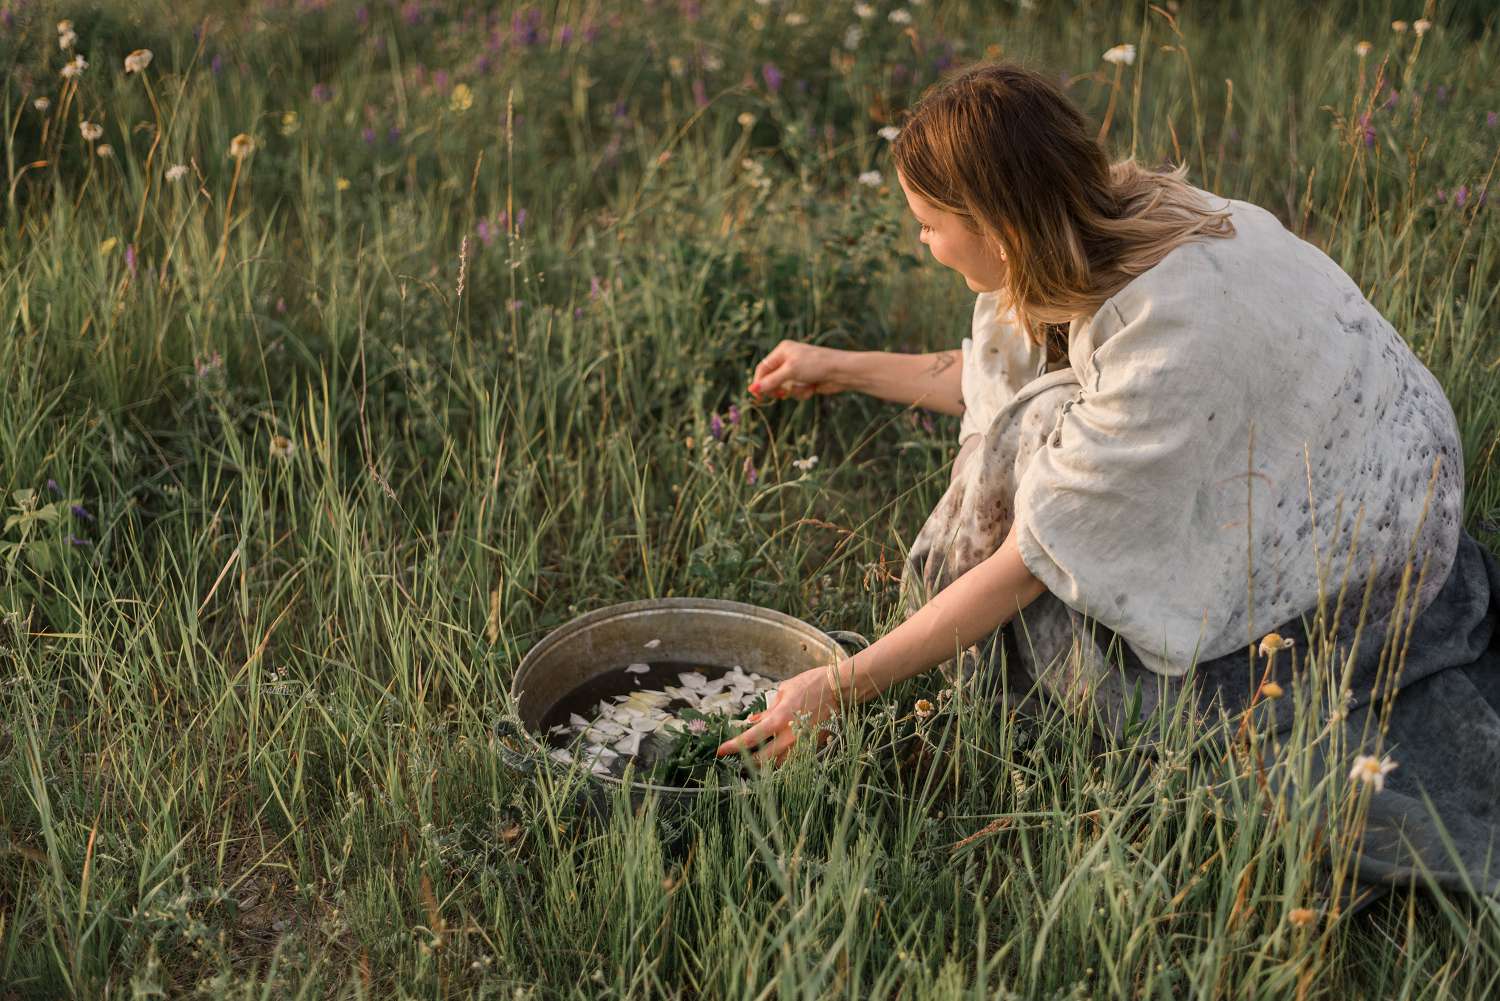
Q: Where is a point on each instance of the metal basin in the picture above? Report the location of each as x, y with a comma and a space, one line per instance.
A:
705, 631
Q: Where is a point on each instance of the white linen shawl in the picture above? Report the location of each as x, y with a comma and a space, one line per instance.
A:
1136, 511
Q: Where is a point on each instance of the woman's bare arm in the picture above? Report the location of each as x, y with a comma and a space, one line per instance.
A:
976, 604
931, 380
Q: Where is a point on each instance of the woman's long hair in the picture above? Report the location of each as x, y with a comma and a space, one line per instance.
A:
1003, 148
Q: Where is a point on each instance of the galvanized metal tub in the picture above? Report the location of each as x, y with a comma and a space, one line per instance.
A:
707, 631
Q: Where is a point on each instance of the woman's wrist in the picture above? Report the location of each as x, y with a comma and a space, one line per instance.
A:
851, 369
849, 679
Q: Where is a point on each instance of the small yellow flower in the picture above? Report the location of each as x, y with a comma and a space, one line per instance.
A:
342, 184
137, 61
1399, 27
282, 447
1271, 690
462, 98
241, 146
289, 122
1273, 642
923, 708
1362, 49
107, 245
1371, 770
1301, 917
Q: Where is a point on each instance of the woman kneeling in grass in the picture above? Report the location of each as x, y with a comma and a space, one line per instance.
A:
1175, 414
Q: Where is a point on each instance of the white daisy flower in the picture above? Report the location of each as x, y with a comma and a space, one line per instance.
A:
90, 131
1371, 770
805, 464
77, 66
137, 61
1421, 26
1122, 54
176, 172
889, 133
42, 103
870, 178
900, 16
1362, 49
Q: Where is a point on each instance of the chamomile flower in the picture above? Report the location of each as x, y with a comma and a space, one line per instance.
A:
1362, 48
889, 133
137, 61
1371, 770
176, 172
241, 146
1121, 55
1399, 27
105, 150
282, 447
1420, 26
870, 178
923, 708
42, 104
90, 131
899, 16
74, 68
805, 464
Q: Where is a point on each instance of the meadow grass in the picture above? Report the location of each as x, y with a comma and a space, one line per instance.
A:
348, 434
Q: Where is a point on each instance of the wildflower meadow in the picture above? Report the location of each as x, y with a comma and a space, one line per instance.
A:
353, 346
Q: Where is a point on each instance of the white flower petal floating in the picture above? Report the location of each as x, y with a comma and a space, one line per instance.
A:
651, 644
630, 744
577, 722
692, 679
637, 668
558, 754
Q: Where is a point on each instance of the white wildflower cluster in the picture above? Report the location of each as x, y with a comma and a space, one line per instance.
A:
622, 722
755, 174
870, 178
66, 36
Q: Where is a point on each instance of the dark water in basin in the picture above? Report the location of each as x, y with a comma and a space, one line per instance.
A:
609, 684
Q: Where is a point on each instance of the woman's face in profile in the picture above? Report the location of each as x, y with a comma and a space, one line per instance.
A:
954, 245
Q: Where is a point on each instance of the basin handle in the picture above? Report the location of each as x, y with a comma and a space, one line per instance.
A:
518, 761
849, 638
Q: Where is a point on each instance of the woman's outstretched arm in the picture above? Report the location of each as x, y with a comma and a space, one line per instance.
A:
964, 612
799, 370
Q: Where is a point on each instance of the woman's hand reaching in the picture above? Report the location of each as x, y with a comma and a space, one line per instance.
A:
800, 371
805, 698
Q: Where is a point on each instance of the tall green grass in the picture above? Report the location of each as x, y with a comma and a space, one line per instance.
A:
247, 745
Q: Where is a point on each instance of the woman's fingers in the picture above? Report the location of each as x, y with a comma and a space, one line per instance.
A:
763, 728
778, 749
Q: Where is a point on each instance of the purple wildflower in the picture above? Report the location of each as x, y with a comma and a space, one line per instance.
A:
526, 28
1492, 119
411, 13
734, 415
1392, 99
74, 540
486, 232
1442, 195
216, 64
280, 306
393, 135
597, 289
130, 257
322, 93
716, 427
927, 424
1442, 94
368, 135
514, 305
361, 15
56, 490
1460, 196
520, 219
81, 512
691, 10
565, 34
750, 475
1367, 130
772, 76
700, 93
577, 312
440, 80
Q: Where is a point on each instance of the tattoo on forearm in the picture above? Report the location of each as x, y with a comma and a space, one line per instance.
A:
942, 363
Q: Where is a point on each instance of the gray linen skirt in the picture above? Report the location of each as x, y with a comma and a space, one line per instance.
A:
1440, 711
